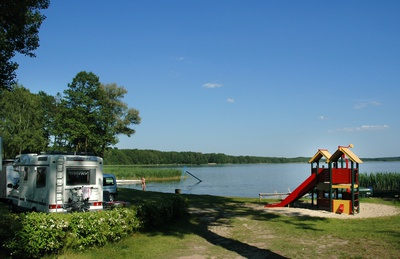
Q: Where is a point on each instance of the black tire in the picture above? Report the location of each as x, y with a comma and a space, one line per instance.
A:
12, 207
112, 197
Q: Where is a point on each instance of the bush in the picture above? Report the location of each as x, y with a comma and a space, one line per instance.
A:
33, 235
96, 229
156, 214
40, 233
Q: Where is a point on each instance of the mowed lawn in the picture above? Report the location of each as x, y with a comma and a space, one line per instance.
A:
224, 227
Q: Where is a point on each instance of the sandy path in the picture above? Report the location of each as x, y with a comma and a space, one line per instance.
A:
367, 210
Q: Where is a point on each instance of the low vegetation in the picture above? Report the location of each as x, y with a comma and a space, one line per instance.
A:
129, 172
33, 235
381, 181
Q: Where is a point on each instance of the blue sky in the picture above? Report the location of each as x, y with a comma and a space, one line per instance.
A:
259, 78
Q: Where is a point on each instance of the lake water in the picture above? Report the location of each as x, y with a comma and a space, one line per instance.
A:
249, 180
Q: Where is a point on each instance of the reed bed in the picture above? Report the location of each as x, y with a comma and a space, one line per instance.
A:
381, 181
150, 173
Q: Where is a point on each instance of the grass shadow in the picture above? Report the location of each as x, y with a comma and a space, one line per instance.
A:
209, 212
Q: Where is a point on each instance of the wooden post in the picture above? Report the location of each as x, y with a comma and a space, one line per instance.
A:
330, 186
352, 187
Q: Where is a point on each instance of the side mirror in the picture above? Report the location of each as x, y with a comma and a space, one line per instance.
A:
9, 185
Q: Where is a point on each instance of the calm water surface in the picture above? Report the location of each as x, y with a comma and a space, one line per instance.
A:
250, 180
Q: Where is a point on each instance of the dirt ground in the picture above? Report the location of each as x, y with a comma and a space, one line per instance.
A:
219, 232
367, 210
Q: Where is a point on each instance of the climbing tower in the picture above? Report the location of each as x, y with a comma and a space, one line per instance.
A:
337, 185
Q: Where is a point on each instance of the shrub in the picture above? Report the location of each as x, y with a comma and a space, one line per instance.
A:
40, 233
96, 229
33, 235
156, 214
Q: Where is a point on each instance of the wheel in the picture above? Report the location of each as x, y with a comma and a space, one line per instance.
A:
12, 207
112, 197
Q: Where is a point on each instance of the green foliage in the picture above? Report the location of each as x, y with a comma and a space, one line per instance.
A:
135, 172
381, 181
92, 115
157, 214
87, 119
19, 27
96, 229
9, 224
34, 235
22, 123
42, 233
154, 157
39, 234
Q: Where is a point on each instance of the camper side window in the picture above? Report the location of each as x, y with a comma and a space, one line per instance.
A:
41, 177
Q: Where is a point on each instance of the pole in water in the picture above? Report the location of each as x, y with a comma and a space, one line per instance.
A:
193, 176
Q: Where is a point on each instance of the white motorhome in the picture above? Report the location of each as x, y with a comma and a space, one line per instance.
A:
8, 178
57, 183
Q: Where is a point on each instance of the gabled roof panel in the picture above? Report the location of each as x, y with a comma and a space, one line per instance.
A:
321, 153
344, 150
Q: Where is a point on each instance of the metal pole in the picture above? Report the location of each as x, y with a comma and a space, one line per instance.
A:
194, 176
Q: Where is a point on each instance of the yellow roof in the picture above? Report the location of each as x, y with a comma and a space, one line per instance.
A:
344, 150
321, 153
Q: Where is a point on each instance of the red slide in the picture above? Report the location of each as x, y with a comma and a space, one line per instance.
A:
303, 188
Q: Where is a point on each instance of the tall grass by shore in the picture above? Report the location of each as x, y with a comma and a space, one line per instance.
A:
136, 172
381, 181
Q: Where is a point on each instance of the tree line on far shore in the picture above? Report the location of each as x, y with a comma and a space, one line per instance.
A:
154, 157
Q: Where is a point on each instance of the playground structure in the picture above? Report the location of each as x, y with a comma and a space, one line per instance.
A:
336, 187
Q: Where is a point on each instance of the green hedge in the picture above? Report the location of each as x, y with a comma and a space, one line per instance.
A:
36, 234
156, 214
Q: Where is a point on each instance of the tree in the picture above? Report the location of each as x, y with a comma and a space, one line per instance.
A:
19, 26
115, 117
50, 109
79, 110
93, 114
22, 122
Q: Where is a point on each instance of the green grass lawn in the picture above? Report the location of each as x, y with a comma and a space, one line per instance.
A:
223, 227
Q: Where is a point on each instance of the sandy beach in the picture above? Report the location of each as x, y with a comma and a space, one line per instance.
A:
367, 210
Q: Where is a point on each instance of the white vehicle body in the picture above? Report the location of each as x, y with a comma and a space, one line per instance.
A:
8, 178
57, 183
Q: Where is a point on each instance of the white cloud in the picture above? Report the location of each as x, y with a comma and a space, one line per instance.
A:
230, 100
322, 117
364, 128
363, 105
374, 127
212, 85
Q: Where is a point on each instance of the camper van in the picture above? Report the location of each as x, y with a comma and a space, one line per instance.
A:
57, 183
8, 178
